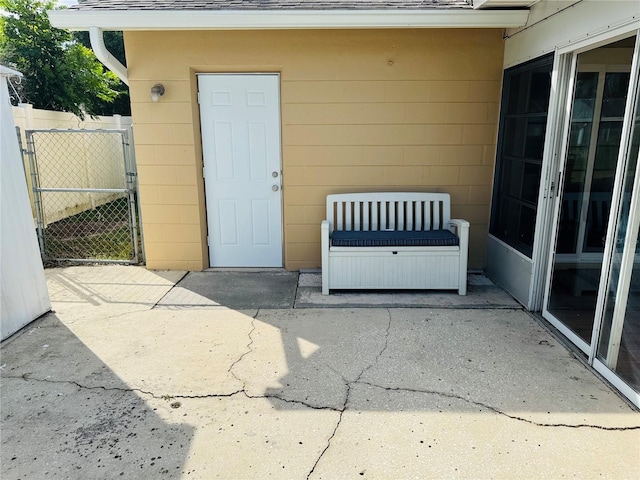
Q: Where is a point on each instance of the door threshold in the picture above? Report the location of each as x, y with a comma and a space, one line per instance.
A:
246, 269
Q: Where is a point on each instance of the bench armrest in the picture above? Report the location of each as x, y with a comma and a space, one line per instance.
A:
457, 225
461, 229
324, 247
325, 226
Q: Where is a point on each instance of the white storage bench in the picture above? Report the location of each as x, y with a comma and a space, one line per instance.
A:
393, 241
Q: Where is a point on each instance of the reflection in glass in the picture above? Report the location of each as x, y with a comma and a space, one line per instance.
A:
577, 161
620, 350
603, 175
594, 142
619, 345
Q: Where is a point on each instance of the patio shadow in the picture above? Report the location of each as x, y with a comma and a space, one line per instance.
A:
65, 414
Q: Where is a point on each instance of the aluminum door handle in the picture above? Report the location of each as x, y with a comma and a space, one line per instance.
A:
275, 188
274, 174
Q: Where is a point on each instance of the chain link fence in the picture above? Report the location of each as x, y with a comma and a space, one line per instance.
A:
84, 195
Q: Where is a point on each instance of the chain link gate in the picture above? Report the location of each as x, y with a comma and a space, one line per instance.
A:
84, 188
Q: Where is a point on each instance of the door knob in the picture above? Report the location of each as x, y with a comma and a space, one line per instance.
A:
275, 188
274, 174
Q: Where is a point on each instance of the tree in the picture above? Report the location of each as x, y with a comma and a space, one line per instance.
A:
114, 42
59, 72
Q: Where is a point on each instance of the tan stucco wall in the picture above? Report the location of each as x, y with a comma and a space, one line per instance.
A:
361, 111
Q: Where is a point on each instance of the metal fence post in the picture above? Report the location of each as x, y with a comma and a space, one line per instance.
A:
130, 178
37, 198
22, 152
134, 168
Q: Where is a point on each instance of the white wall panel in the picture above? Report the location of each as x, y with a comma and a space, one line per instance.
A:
554, 24
509, 269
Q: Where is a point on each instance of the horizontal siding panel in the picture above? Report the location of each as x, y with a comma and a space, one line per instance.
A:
367, 135
362, 110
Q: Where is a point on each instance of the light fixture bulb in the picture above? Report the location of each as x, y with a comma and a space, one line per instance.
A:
156, 92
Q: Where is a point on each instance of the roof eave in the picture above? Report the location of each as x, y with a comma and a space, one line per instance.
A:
284, 19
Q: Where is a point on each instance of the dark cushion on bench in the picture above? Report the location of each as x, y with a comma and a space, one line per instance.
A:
427, 238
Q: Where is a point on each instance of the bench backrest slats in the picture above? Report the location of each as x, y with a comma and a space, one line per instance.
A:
373, 225
389, 211
436, 214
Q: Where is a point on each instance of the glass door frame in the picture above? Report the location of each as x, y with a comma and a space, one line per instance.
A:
566, 80
569, 80
631, 235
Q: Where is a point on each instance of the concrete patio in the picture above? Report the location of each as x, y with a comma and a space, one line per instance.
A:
134, 376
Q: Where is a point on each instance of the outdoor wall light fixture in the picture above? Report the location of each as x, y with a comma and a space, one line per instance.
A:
156, 92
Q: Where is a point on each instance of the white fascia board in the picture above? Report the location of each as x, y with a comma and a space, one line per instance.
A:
270, 20
503, 3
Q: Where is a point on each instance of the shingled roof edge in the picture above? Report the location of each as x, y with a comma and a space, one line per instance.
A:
262, 5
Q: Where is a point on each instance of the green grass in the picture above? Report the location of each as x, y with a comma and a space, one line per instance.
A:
115, 211
102, 233
113, 245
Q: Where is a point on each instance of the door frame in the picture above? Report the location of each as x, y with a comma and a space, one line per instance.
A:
280, 155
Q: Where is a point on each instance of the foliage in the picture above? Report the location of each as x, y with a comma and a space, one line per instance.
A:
114, 42
60, 73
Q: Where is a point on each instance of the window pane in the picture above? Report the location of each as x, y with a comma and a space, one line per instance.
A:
507, 225
527, 225
514, 135
535, 137
512, 178
518, 93
615, 95
540, 87
604, 171
531, 182
523, 123
584, 98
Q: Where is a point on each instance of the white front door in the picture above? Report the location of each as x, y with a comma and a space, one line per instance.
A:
240, 121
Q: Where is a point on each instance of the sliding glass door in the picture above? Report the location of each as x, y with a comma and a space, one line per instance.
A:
599, 99
618, 347
593, 284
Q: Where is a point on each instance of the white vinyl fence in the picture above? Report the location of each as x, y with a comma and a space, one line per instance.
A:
28, 118
23, 288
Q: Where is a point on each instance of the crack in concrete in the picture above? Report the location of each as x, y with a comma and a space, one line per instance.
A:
268, 396
348, 384
27, 377
494, 409
384, 348
288, 400
167, 397
247, 352
333, 434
